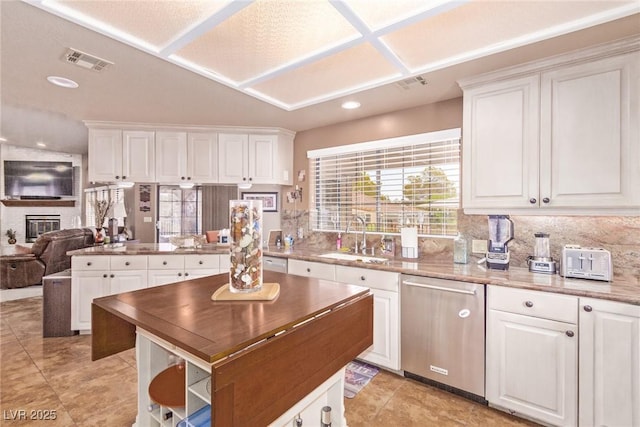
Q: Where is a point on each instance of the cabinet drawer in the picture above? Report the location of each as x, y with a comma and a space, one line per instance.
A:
166, 262
89, 263
192, 262
315, 270
128, 262
563, 308
375, 279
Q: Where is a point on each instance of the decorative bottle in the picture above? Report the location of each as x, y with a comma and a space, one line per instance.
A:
460, 250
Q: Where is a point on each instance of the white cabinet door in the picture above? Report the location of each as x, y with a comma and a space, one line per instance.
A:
500, 144
164, 277
85, 287
261, 159
171, 157
138, 161
127, 280
531, 367
316, 270
609, 363
384, 285
105, 155
589, 139
232, 158
386, 337
202, 157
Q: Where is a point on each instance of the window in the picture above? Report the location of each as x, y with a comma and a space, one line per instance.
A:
115, 194
179, 212
411, 181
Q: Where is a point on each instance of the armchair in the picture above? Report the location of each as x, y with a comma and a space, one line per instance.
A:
48, 255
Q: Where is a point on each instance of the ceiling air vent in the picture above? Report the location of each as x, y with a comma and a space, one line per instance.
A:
407, 84
85, 60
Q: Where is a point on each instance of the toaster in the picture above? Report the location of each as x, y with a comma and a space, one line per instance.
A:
586, 263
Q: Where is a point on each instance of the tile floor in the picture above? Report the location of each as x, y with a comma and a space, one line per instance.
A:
57, 374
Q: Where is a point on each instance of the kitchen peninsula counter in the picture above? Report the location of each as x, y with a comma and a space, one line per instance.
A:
625, 289
150, 249
265, 356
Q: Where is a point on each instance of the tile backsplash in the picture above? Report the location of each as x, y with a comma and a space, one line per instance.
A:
618, 234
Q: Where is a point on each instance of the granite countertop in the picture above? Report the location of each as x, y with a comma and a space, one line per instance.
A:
150, 249
623, 289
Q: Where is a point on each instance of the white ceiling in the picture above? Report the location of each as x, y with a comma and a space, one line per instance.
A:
285, 63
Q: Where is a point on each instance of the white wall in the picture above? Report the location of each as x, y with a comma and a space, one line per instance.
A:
13, 216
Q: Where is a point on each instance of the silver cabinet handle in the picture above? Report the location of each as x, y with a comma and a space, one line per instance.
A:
528, 304
570, 334
439, 288
588, 308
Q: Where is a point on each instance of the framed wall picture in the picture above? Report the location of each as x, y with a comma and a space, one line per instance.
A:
269, 200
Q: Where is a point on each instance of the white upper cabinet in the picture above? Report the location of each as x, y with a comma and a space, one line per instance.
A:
202, 157
171, 157
117, 155
500, 159
255, 159
589, 139
182, 154
232, 158
183, 157
559, 136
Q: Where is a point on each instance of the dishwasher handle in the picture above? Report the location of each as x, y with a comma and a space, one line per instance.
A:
439, 288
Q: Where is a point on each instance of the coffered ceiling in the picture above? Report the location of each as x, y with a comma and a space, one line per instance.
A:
282, 63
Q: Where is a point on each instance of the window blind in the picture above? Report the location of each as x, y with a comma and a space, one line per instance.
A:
415, 184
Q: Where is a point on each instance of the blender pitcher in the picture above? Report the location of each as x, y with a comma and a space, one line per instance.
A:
541, 261
541, 249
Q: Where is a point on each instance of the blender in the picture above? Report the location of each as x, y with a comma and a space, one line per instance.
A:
541, 261
500, 233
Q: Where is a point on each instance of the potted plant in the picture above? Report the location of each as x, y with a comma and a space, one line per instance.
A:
11, 234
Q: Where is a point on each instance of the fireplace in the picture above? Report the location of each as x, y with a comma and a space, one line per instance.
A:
38, 224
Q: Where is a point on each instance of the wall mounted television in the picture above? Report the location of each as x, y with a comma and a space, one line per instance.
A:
37, 180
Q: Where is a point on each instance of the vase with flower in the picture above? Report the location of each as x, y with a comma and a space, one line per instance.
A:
101, 210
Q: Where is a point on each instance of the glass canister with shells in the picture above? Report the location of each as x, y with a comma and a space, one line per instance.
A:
245, 243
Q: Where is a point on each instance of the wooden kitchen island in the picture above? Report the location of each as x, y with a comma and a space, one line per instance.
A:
256, 363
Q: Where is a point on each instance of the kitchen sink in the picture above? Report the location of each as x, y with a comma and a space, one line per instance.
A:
354, 257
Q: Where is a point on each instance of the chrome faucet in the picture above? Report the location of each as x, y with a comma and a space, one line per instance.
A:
364, 234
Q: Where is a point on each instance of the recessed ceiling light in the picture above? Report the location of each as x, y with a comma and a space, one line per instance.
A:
62, 82
41, 144
350, 105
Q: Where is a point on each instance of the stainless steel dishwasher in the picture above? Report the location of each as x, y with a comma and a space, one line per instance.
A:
442, 333
274, 264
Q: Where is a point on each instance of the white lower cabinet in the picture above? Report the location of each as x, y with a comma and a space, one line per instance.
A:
127, 273
316, 270
154, 355
165, 269
95, 276
532, 354
384, 285
609, 363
